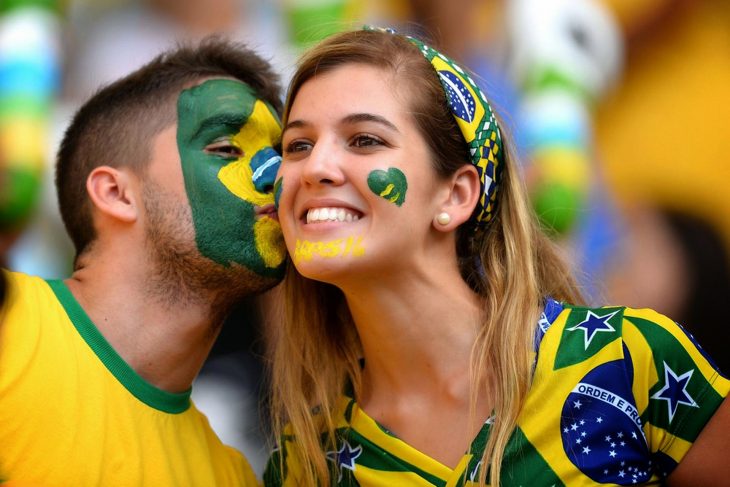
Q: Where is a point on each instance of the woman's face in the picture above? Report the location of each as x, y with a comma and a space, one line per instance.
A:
356, 190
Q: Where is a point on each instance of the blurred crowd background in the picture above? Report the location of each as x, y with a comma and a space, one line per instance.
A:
620, 110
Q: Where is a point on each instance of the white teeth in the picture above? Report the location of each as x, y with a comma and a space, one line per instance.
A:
331, 214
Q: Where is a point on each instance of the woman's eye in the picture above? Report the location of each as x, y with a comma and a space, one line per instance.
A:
297, 146
365, 140
224, 148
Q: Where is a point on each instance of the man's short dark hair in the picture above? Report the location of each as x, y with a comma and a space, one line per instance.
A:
115, 127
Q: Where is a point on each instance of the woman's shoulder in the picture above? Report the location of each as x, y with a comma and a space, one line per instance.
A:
568, 335
645, 347
613, 369
596, 326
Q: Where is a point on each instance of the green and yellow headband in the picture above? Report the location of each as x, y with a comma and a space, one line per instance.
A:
475, 119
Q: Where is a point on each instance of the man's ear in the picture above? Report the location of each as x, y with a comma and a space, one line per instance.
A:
463, 195
113, 193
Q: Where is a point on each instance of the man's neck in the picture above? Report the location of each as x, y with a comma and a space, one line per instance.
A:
166, 341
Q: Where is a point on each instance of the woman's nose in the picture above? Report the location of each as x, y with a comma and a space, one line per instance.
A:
264, 165
321, 167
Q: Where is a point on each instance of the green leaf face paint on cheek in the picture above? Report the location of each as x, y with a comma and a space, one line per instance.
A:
391, 184
219, 183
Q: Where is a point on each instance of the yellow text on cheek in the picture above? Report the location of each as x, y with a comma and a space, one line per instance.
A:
341, 247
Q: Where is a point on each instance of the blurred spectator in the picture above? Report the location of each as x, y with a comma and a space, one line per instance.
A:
108, 43
677, 264
565, 55
309, 21
663, 134
29, 59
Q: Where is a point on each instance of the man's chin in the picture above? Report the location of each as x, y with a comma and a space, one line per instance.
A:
247, 282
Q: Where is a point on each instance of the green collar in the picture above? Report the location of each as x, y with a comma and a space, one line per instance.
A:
152, 396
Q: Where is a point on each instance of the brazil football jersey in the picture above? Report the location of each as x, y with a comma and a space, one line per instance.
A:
73, 413
618, 396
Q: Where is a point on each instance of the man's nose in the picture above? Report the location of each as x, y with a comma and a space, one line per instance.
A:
264, 164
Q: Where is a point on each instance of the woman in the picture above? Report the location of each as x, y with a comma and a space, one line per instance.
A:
426, 332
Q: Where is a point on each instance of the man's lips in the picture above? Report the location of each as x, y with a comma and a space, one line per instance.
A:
266, 210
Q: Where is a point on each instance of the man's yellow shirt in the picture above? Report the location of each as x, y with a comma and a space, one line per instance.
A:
72, 412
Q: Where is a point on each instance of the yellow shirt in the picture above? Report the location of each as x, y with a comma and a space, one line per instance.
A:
72, 412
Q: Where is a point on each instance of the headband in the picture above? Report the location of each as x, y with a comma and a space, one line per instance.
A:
475, 119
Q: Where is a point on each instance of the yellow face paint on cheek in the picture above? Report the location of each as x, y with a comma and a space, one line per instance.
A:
269, 241
263, 130
305, 250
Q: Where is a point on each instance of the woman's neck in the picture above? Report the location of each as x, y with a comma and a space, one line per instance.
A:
417, 332
417, 337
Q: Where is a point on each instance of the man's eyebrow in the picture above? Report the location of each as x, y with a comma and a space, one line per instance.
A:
230, 119
349, 119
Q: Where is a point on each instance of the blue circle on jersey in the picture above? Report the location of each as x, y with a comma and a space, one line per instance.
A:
601, 429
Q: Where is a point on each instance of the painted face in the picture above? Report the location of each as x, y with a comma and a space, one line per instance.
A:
356, 188
226, 139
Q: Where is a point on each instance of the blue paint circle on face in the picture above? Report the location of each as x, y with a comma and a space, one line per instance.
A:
600, 427
264, 165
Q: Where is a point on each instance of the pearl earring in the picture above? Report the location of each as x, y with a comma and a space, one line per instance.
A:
443, 218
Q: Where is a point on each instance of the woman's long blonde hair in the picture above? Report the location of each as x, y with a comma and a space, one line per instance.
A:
511, 264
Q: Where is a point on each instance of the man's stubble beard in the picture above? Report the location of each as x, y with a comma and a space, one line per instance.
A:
181, 275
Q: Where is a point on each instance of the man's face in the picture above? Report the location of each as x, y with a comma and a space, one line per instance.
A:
226, 139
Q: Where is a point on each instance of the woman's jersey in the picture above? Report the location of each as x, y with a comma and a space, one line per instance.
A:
618, 397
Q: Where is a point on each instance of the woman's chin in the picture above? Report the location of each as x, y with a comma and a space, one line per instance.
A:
323, 269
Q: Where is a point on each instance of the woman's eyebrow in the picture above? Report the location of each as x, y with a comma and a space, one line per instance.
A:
369, 117
295, 124
348, 119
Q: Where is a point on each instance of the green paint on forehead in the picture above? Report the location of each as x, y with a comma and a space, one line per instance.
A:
219, 111
391, 184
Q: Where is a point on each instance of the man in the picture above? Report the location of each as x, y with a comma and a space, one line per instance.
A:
165, 183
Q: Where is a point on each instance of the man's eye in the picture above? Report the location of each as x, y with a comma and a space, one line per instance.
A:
365, 140
297, 146
224, 148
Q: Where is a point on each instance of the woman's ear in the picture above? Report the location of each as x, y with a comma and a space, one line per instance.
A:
112, 193
463, 195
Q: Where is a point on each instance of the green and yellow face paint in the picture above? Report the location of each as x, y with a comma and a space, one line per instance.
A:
226, 138
391, 184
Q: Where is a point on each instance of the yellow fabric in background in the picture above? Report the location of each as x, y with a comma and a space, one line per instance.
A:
664, 135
